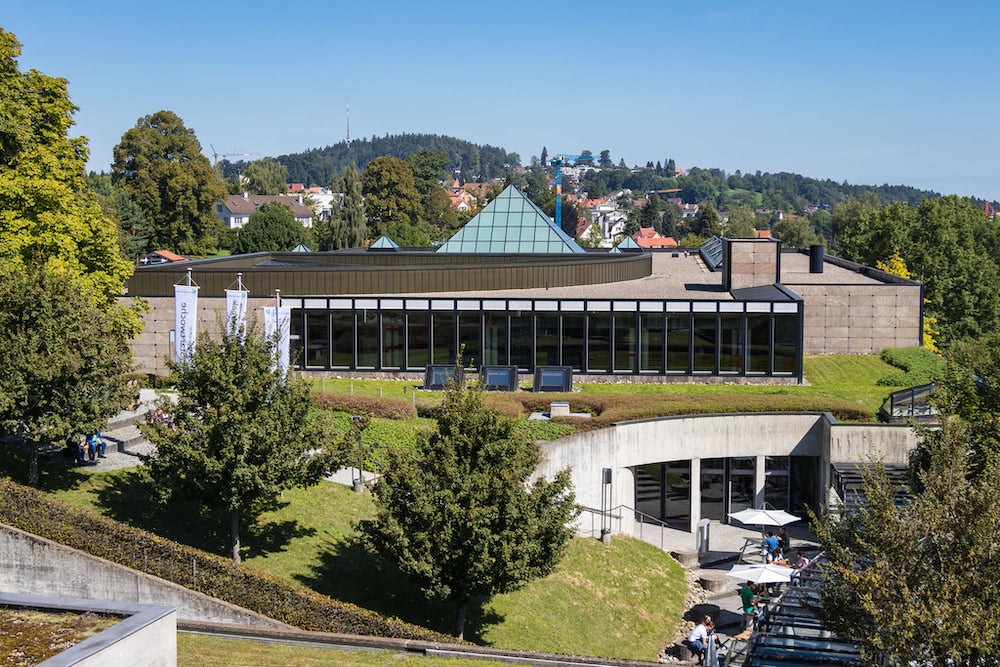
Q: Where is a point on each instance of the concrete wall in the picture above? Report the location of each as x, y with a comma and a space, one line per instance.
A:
145, 637
36, 566
153, 347
630, 444
859, 318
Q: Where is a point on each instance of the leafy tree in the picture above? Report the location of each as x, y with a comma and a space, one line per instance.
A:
242, 431
347, 227
649, 215
796, 232
742, 223
47, 214
621, 163
266, 177
592, 238
671, 169
544, 159
391, 196
912, 580
706, 222
604, 161
160, 165
64, 359
134, 231
271, 228
460, 517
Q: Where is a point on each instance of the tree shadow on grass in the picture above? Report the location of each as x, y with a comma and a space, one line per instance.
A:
132, 499
57, 468
348, 572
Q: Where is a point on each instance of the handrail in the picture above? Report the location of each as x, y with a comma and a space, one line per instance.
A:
616, 514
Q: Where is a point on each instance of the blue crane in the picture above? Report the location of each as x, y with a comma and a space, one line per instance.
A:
558, 161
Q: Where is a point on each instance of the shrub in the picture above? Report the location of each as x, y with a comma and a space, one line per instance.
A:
387, 408
921, 366
36, 513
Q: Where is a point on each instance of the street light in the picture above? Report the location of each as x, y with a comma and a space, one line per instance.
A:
358, 481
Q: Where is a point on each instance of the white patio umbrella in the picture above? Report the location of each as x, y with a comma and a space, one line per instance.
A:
757, 517
761, 574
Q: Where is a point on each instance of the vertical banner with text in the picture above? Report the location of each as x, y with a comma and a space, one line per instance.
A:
185, 321
276, 328
236, 311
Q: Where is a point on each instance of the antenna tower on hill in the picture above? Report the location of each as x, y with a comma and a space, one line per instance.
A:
348, 124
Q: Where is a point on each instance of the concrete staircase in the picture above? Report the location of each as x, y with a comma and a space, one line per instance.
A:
122, 431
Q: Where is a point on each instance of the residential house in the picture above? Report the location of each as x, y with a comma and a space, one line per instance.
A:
235, 210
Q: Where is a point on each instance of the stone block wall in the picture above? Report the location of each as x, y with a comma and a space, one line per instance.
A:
860, 318
751, 263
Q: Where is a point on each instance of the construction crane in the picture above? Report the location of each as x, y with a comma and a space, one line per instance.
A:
557, 161
216, 155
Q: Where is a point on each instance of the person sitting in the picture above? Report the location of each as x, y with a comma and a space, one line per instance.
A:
769, 547
97, 446
698, 639
800, 561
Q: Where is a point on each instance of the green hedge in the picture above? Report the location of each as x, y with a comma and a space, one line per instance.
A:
34, 512
920, 366
386, 408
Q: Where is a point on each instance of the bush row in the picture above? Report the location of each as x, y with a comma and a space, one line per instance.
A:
921, 366
36, 513
386, 408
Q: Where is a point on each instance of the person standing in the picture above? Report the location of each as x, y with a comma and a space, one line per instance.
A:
769, 547
748, 602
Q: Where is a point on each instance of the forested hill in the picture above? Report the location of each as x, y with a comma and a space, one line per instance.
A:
317, 166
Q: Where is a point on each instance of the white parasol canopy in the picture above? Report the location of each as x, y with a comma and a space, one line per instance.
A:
756, 517
762, 574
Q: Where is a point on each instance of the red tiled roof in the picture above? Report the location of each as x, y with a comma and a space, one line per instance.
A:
662, 242
169, 256
295, 187
763, 233
646, 233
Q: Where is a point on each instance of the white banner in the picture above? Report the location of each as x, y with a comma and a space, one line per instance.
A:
276, 328
185, 321
236, 311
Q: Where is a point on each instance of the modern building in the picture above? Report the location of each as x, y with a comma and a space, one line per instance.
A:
511, 288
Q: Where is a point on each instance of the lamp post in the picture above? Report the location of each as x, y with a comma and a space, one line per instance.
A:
358, 481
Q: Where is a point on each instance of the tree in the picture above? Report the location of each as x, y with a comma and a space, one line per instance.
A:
271, 228
742, 223
391, 196
266, 177
135, 234
47, 214
604, 161
670, 170
346, 227
925, 572
544, 159
241, 431
160, 165
796, 232
460, 517
64, 359
706, 222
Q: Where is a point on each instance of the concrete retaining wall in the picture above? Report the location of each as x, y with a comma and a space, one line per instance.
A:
36, 566
627, 445
145, 637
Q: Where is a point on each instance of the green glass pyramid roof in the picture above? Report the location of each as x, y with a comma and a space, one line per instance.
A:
384, 243
627, 244
511, 223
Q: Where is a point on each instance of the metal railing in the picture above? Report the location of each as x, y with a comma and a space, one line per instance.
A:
614, 517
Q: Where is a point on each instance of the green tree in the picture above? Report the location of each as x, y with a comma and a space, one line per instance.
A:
912, 579
64, 359
706, 222
742, 223
271, 228
392, 201
134, 231
47, 214
795, 232
346, 227
671, 168
160, 165
604, 161
266, 177
242, 431
460, 517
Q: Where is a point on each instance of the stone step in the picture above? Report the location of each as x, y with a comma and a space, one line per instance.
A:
124, 438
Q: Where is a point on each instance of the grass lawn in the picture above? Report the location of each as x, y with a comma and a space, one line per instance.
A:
200, 651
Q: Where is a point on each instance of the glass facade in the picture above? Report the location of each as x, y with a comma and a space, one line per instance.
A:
592, 337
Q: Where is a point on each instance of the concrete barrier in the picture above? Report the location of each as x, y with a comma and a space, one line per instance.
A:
36, 566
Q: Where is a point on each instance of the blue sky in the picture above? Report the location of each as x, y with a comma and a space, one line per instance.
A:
869, 92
